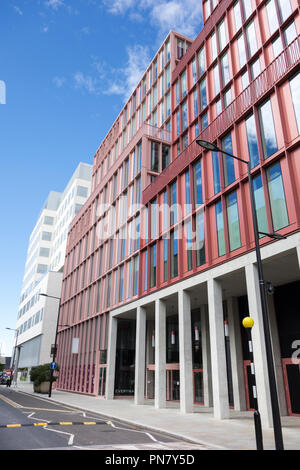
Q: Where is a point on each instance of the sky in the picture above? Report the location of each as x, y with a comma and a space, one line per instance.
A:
67, 68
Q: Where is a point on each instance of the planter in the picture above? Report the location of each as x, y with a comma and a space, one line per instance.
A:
42, 388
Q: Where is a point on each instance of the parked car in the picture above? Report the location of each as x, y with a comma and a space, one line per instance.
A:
3, 379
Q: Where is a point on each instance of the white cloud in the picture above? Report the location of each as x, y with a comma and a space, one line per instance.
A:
129, 75
59, 81
184, 16
18, 10
85, 82
55, 4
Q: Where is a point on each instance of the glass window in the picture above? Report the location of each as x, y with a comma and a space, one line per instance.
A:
44, 252
165, 156
204, 121
237, 15
218, 106
173, 201
177, 123
146, 271
277, 197
187, 192
82, 191
203, 98
135, 275
295, 91
251, 38
197, 184
252, 141
290, 33
216, 172
216, 79
177, 92
222, 35
255, 69
227, 97
228, 162
183, 84
165, 242
46, 236
174, 253
200, 247
272, 16
245, 79
225, 69
214, 50
121, 283
242, 50
153, 265
189, 244
277, 46
233, 221
155, 156
220, 228
267, 129
194, 71
260, 206
48, 220
184, 115
201, 61
195, 104
284, 9
247, 7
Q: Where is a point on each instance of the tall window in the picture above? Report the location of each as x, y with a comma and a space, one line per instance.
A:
260, 206
201, 61
216, 172
174, 253
203, 97
252, 141
155, 156
153, 265
184, 115
216, 79
189, 243
228, 162
233, 221
135, 275
222, 35
267, 129
272, 16
194, 71
195, 104
251, 38
277, 197
146, 270
214, 50
237, 15
165, 247
242, 50
187, 192
284, 9
295, 92
225, 69
220, 229
200, 247
173, 204
183, 84
197, 184
121, 283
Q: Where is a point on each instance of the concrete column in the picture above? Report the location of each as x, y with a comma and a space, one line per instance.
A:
236, 354
259, 349
218, 354
277, 356
111, 358
160, 354
206, 359
140, 357
185, 352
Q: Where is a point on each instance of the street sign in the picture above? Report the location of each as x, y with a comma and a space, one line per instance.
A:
53, 365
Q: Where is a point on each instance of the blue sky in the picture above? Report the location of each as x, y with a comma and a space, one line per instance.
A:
68, 67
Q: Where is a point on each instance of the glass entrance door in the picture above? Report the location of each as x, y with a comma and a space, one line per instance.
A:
291, 375
173, 391
198, 386
102, 381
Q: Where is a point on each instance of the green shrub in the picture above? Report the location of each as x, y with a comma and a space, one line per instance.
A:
41, 374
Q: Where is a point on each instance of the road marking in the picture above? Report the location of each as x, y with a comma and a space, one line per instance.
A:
59, 423
10, 402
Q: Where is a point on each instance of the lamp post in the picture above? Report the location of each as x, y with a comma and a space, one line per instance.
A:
262, 285
13, 361
55, 346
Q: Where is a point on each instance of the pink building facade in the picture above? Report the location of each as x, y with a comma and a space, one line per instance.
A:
160, 266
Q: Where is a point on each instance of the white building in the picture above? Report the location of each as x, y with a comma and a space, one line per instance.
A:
37, 315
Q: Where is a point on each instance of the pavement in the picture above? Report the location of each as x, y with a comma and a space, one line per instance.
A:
199, 427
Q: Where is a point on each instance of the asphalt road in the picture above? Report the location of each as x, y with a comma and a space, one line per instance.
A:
31, 422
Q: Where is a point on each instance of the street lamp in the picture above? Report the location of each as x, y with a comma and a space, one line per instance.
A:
55, 346
262, 284
13, 361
